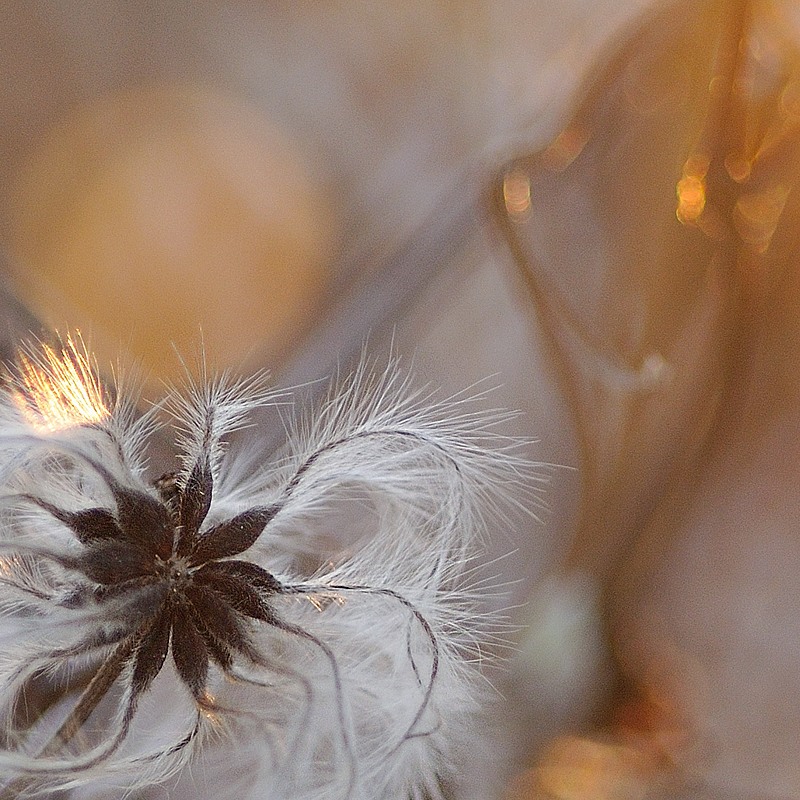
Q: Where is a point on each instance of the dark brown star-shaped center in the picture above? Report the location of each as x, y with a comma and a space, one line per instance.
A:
188, 594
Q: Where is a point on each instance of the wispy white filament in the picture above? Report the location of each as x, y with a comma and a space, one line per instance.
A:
368, 688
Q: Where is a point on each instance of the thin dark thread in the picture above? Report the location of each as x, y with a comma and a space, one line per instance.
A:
178, 746
13, 790
98, 687
26, 589
411, 658
294, 481
337, 681
82, 648
309, 462
419, 617
308, 691
422, 734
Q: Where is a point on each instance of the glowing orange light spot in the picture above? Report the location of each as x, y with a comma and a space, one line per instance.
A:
691, 189
575, 768
517, 194
207, 705
565, 148
60, 390
123, 214
691, 192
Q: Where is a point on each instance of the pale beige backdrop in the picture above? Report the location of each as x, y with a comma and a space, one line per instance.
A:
493, 187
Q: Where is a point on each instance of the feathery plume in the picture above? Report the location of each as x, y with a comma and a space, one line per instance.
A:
148, 630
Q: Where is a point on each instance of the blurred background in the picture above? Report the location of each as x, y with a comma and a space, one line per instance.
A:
592, 203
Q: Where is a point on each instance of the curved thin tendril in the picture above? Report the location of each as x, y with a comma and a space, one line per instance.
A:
424, 624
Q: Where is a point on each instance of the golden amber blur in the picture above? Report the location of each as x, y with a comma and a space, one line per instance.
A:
691, 192
737, 167
578, 768
167, 216
691, 189
757, 214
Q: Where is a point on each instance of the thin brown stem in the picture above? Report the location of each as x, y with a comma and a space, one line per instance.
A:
97, 689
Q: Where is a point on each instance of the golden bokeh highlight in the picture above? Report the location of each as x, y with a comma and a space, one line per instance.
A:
691, 190
59, 389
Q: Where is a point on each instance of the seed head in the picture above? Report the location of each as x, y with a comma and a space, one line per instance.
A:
151, 627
